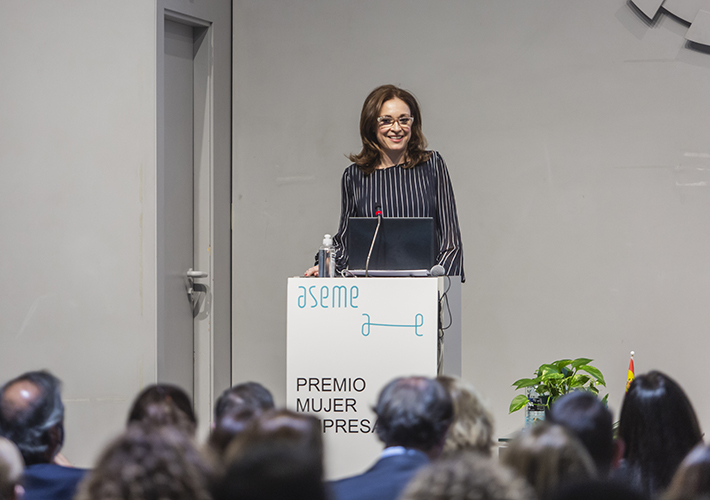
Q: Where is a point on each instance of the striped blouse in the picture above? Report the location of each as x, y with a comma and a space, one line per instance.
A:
422, 191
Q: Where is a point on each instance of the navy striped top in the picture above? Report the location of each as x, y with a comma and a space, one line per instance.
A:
421, 191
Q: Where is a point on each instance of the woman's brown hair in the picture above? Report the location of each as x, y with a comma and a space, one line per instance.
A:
371, 153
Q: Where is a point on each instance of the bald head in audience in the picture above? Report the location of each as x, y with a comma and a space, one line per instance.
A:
32, 416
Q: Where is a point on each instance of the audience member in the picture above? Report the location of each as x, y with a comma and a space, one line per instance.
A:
163, 405
464, 476
32, 417
235, 409
148, 463
597, 489
472, 428
590, 420
413, 416
249, 395
659, 428
548, 456
10, 471
280, 456
692, 479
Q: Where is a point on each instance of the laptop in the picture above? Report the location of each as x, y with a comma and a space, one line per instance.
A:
404, 246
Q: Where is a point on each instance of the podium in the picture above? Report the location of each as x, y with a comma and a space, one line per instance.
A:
348, 337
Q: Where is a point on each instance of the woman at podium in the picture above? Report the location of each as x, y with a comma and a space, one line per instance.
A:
395, 171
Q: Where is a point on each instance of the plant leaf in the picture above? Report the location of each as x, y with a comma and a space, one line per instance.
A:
581, 361
562, 363
517, 403
525, 382
579, 380
553, 376
605, 400
594, 372
547, 368
593, 390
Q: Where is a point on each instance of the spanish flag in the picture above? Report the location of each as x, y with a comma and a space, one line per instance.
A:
630, 376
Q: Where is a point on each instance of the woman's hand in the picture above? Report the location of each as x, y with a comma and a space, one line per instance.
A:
313, 271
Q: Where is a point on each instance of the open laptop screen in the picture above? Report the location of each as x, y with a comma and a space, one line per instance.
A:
402, 243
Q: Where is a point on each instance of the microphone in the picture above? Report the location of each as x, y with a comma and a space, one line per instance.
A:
437, 270
378, 214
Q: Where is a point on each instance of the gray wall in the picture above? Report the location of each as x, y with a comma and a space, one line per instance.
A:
77, 205
576, 137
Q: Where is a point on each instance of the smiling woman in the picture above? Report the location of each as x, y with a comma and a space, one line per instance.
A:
394, 171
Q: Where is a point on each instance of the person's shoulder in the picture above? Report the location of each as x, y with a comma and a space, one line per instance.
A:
352, 172
433, 158
54, 471
437, 159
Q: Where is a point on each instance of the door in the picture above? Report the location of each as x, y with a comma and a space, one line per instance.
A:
176, 341
194, 198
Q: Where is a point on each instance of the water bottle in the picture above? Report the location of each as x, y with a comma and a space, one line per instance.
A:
326, 258
535, 409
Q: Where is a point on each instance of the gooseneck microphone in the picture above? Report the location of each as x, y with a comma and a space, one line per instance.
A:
378, 214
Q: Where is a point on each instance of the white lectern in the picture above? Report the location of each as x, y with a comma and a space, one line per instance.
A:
348, 337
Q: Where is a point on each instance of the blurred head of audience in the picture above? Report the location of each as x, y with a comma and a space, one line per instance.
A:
414, 413
582, 413
467, 476
659, 428
597, 489
148, 463
235, 409
10, 471
472, 428
32, 416
249, 395
279, 456
692, 479
164, 405
548, 456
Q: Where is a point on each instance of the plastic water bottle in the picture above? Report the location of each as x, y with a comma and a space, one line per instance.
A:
326, 258
535, 409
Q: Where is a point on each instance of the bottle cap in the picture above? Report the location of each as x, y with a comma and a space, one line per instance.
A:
327, 240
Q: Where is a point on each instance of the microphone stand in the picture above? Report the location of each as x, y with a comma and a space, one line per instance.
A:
378, 213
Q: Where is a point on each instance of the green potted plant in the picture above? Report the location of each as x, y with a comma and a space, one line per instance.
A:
556, 379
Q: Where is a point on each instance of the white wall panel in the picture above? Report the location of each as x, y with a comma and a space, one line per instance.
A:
77, 205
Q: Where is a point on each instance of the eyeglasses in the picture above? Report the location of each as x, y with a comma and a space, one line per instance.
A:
387, 121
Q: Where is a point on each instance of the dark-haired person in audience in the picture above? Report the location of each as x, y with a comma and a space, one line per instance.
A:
467, 476
250, 395
659, 428
32, 417
586, 417
234, 410
549, 456
597, 489
282, 426
472, 428
148, 463
413, 416
10, 471
692, 479
280, 456
161, 405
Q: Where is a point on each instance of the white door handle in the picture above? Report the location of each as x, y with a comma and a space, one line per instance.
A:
196, 274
